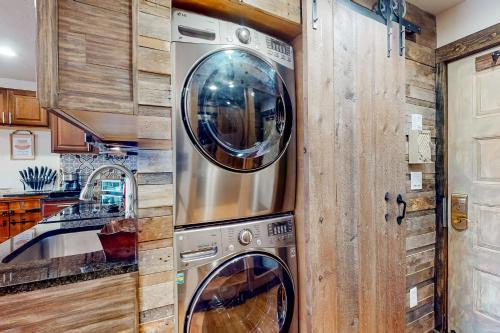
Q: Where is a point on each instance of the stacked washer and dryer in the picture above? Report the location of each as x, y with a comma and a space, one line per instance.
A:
235, 161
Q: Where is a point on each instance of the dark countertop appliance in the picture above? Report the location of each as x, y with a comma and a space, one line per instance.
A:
71, 181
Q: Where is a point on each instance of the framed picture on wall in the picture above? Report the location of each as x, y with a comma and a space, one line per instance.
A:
22, 145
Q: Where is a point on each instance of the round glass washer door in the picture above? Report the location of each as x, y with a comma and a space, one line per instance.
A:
237, 110
250, 293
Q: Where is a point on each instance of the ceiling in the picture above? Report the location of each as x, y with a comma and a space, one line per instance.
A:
435, 6
17, 31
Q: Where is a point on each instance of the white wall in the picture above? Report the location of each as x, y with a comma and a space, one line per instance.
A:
9, 175
466, 18
17, 84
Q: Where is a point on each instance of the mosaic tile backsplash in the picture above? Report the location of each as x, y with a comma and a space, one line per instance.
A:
86, 163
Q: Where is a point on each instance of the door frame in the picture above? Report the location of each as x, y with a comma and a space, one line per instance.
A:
462, 48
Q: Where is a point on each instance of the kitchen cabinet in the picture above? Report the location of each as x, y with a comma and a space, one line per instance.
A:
85, 56
4, 221
67, 138
25, 110
4, 106
21, 108
18, 214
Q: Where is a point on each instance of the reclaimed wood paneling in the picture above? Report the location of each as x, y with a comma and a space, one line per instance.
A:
47, 56
155, 227
421, 221
102, 305
94, 68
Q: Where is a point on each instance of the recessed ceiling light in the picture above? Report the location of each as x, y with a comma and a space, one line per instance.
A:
7, 51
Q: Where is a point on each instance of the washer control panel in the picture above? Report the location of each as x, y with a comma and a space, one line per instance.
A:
198, 246
189, 27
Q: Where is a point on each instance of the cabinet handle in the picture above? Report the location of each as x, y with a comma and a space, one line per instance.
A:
10, 118
3, 117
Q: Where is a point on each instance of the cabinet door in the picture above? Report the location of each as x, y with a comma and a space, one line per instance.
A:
4, 228
4, 107
67, 138
25, 110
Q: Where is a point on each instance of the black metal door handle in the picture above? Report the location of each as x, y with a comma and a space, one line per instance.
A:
400, 201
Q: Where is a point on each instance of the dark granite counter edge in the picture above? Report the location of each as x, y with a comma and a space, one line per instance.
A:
64, 280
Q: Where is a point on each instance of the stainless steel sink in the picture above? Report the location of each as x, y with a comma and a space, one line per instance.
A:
59, 245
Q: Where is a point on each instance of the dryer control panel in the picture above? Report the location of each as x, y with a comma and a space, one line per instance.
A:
189, 27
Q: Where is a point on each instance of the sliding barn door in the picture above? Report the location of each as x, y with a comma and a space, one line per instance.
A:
353, 133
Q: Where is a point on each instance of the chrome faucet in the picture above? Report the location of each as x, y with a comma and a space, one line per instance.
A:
131, 207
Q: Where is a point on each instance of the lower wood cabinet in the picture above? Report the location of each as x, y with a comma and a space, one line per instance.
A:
67, 138
17, 215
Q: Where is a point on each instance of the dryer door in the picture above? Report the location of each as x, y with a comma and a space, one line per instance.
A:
237, 111
250, 293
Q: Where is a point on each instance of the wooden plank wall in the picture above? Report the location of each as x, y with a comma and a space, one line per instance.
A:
421, 221
153, 77
95, 58
100, 306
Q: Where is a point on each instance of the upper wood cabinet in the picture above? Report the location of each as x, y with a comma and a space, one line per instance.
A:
25, 110
21, 108
280, 18
85, 55
67, 138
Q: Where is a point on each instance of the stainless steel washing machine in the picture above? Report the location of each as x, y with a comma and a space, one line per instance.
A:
233, 121
237, 278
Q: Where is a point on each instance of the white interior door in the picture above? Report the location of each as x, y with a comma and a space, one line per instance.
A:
474, 169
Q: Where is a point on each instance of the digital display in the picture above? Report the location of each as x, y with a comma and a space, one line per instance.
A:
278, 46
279, 228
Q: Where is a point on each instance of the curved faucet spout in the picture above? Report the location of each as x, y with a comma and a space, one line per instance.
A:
131, 203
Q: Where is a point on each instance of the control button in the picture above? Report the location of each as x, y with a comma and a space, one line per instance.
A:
259, 242
243, 35
229, 39
245, 237
231, 247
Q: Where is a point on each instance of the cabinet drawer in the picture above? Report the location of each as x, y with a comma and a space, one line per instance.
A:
4, 206
28, 217
22, 206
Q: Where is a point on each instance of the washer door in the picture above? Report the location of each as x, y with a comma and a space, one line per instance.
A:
250, 293
237, 111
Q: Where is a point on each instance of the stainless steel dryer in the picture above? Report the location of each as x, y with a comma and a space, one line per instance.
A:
233, 121
237, 278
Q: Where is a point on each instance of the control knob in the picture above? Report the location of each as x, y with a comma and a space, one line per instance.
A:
245, 237
243, 35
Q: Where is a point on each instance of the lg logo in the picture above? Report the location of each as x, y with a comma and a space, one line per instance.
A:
181, 14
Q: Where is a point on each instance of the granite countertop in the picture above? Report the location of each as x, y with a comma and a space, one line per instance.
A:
61, 249
57, 194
